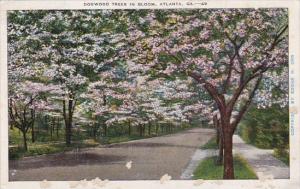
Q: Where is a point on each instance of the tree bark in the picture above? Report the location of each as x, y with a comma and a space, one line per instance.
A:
32, 133
141, 130
57, 127
219, 139
68, 124
68, 133
24, 140
95, 131
149, 129
228, 157
221, 150
129, 128
105, 130
51, 131
68, 110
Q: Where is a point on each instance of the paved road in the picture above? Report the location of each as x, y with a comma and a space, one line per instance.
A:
261, 160
151, 158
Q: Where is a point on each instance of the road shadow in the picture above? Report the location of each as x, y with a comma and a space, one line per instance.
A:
148, 145
265, 160
65, 159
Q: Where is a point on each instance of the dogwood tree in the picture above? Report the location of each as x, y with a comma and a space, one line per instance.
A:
25, 99
209, 59
227, 51
72, 47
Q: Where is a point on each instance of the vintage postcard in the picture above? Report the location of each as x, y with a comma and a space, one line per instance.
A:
149, 94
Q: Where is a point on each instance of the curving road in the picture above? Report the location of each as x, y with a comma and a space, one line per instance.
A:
151, 158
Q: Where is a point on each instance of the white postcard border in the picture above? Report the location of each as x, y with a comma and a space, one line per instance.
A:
294, 67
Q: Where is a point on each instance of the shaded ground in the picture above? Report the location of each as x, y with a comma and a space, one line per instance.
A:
261, 160
151, 159
197, 158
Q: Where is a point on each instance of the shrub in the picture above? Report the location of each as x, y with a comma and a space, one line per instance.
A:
266, 128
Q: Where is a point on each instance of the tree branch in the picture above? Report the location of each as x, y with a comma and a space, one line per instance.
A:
247, 104
210, 88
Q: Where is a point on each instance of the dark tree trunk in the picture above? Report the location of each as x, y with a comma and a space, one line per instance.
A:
53, 126
156, 128
221, 150
129, 128
141, 130
68, 120
24, 140
57, 127
32, 133
47, 123
228, 157
149, 129
51, 132
95, 131
68, 133
38, 127
219, 139
105, 130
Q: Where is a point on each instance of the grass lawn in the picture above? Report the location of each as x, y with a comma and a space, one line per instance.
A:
46, 144
211, 144
48, 148
118, 139
208, 169
283, 156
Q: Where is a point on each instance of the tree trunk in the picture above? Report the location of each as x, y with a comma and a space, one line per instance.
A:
57, 127
47, 123
53, 126
129, 128
32, 133
68, 120
52, 122
70, 109
156, 128
221, 150
141, 130
68, 134
105, 130
219, 139
51, 133
149, 129
24, 141
228, 157
95, 131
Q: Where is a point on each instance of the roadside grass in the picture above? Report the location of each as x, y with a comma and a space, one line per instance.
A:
49, 144
211, 144
282, 155
35, 149
118, 139
209, 170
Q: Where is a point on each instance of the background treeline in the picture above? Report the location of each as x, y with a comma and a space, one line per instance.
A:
261, 128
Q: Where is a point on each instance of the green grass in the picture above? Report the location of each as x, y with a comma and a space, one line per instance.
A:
118, 139
209, 170
211, 144
45, 144
124, 137
35, 149
282, 155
